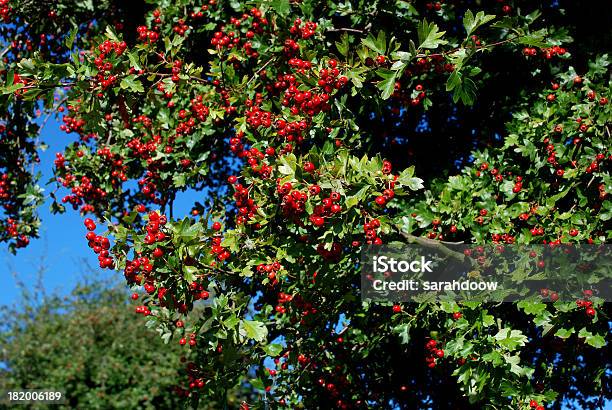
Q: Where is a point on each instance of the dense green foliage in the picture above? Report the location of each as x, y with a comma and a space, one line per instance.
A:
313, 128
90, 345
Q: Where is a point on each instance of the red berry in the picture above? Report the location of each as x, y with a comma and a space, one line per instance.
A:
309, 167
90, 224
216, 226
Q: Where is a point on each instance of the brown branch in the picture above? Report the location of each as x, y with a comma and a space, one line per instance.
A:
440, 246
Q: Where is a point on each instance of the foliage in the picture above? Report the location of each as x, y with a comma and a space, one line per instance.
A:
90, 345
315, 128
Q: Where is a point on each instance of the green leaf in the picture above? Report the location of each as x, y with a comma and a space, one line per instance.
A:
132, 83
510, 338
70, 39
252, 329
531, 308
111, 34
343, 45
454, 80
471, 22
378, 44
597, 341
273, 350
564, 333
282, 7
464, 88
11, 89
387, 86
258, 384
406, 179
429, 35
288, 165
403, 331
189, 273
134, 61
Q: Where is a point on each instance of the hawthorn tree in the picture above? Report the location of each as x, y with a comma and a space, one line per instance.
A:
313, 129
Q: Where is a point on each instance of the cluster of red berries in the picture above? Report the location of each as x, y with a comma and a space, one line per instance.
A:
147, 35
254, 156
72, 124
419, 90
328, 207
143, 150
293, 203
5, 11
82, 194
291, 48
99, 244
198, 109
306, 102
388, 193
180, 28
143, 310
547, 293
436, 6
199, 14
148, 187
518, 185
436, 226
301, 66
104, 77
154, 232
11, 229
330, 79
292, 131
199, 291
332, 255
271, 270
594, 165
546, 53
371, 234
219, 251
246, 206
192, 340
231, 39
133, 269
176, 70
505, 238
282, 299
586, 303
256, 117
433, 353
534, 405
304, 30
5, 187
